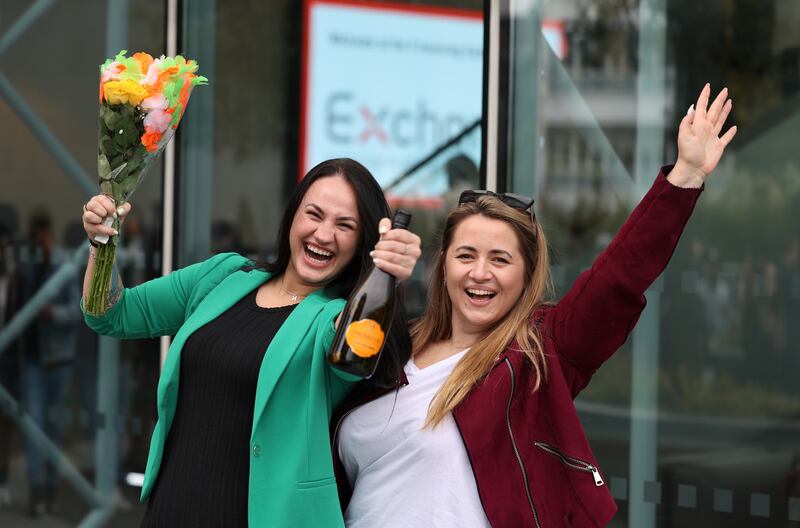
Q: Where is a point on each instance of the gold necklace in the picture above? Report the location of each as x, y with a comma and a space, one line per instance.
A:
293, 294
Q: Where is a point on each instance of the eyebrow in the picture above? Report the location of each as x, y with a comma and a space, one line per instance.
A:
341, 218
495, 251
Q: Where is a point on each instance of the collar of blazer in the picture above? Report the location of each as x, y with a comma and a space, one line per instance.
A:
280, 351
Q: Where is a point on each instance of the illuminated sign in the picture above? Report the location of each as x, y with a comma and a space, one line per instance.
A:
386, 84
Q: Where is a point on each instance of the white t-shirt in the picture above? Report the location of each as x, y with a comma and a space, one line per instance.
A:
401, 475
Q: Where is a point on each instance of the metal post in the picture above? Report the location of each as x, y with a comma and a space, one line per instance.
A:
65, 273
107, 435
525, 78
21, 25
46, 137
196, 178
644, 370
50, 450
492, 95
168, 226
17, 103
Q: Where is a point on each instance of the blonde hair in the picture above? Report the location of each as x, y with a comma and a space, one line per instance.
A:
436, 324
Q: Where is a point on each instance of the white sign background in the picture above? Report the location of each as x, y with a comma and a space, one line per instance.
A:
386, 84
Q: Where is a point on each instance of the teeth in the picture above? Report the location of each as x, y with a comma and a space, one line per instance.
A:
318, 251
479, 292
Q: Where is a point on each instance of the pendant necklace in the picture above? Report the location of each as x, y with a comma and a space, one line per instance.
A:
293, 294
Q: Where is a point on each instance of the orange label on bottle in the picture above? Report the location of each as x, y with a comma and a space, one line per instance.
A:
364, 337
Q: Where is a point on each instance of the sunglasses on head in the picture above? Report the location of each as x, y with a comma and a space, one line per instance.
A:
517, 201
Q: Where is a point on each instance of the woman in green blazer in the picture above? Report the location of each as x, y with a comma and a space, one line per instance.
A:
242, 434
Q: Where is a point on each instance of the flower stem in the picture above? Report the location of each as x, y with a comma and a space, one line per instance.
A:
98, 300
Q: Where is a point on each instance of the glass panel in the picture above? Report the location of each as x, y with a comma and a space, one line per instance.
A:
49, 373
715, 355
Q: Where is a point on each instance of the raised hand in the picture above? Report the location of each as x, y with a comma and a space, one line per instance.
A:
96, 210
700, 145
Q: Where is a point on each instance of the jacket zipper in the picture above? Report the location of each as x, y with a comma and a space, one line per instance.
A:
572, 462
514, 445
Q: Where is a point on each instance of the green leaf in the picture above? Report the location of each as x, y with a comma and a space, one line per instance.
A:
126, 135
129, 183
126, 111
109, 117
120, 142
130, 133
103, 167
116, 161
133, 162
106, 145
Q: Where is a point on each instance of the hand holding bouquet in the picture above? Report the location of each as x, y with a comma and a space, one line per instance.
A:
142, 101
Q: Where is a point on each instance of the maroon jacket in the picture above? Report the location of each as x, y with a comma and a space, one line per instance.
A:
531, 459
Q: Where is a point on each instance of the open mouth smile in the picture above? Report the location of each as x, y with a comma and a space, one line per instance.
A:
480, 294
317, 255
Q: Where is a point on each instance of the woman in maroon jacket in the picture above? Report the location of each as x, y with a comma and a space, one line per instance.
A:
483, 431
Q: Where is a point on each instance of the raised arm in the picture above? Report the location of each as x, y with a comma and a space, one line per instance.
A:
160, 306
595, 317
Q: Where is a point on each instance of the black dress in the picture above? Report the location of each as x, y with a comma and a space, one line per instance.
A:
204, 475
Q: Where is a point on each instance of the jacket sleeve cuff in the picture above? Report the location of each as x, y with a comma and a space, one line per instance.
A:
661, 179
102, 324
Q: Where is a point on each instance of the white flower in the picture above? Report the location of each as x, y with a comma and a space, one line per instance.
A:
112, 72
152, 73
155, 102
157, 121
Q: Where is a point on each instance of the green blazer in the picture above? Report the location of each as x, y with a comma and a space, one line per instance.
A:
291, 471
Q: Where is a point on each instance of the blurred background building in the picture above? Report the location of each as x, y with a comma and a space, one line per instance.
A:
695, 421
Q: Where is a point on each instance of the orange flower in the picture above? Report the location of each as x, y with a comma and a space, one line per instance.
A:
187, 86
144, 60
171, 111
163, 77
150, 141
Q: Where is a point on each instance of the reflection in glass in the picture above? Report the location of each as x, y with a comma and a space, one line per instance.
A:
49, 371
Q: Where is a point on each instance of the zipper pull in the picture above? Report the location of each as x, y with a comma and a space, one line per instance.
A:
598, 480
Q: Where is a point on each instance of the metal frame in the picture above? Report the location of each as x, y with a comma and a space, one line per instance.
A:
650, 87
195, 160
494, 149
168, 213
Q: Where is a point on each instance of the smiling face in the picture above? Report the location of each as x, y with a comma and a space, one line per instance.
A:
324, 235
484, 273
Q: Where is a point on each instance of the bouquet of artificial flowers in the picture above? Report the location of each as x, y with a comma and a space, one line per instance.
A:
142, 101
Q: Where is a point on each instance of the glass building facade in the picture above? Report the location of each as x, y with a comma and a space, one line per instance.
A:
695, 421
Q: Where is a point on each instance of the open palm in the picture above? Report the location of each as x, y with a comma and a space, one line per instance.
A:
699, 144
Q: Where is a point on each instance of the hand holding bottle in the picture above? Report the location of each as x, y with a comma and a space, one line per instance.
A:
397, 251
363, 325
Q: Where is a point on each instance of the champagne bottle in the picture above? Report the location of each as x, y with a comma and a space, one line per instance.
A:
365, 321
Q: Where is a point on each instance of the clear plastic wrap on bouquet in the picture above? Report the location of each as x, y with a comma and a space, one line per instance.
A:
142, 101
